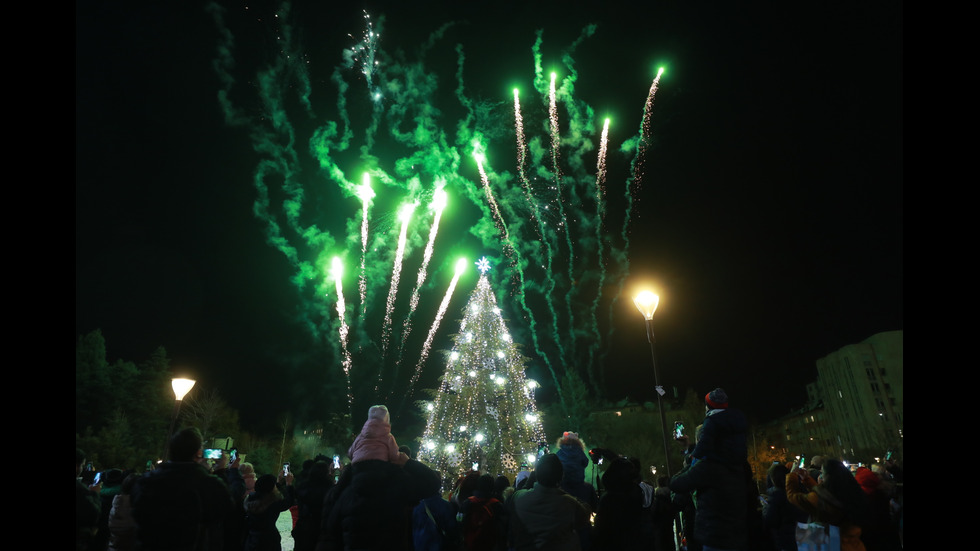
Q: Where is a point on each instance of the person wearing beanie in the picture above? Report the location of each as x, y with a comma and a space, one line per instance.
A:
375, 440
723, 433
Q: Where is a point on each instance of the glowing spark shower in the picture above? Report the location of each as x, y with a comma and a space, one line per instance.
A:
439, 200
337, 274
409, 125
366, 194
405, 215
427, 346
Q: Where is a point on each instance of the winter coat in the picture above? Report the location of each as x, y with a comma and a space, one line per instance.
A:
723, 437
372, 510
719, 492
545, 518
262, 512
122, 525
823, 508
375, 442
620, 523
181, 505
573, 464
309, 498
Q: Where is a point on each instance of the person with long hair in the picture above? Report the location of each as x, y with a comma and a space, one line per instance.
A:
836, 500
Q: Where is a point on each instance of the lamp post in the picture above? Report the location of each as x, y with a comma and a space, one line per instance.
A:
646, 302
181, 388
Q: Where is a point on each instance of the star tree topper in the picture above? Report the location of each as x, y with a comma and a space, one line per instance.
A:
483, 265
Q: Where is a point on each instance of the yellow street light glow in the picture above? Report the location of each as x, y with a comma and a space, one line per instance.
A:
646, 302
182, 387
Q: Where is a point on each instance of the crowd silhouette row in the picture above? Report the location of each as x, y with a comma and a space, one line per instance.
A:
383, 499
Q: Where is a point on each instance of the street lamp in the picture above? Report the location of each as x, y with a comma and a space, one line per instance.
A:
181, 388
647, 302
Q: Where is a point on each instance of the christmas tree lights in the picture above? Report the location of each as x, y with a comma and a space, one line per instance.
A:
483, 415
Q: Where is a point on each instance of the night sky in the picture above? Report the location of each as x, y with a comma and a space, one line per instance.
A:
767, 210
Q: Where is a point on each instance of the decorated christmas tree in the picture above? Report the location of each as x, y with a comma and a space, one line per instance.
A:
482, 416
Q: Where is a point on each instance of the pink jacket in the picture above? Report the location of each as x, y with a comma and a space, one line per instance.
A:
375, 442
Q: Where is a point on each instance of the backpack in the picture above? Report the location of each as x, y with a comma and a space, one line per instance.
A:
434, 526
481, 525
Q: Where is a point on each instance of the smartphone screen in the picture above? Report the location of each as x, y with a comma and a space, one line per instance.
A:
233, 454
98, 478
285, 469
678, 430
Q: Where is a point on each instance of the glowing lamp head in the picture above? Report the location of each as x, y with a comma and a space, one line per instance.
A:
182, 387
646, 302
479, 437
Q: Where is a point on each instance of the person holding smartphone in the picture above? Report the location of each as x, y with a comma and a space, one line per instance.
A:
88, 505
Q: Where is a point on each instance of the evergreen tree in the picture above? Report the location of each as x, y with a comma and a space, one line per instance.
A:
483, 414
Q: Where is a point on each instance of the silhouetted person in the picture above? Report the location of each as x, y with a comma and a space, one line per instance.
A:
88, 506
180, 504
544, 516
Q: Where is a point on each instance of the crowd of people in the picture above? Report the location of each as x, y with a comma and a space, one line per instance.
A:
384, 499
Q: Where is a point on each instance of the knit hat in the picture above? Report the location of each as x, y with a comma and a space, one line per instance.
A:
716, 399
380, 413
265, 484
867, 479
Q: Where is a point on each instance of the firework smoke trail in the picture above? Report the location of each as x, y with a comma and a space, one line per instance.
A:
542, 236
366, 194
438, 205
273, 137
292, 200
396, 271
337, 272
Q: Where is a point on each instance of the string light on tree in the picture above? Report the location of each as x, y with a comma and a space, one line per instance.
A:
483, 414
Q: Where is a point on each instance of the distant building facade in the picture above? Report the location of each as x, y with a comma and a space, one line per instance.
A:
854, 409
862, 391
